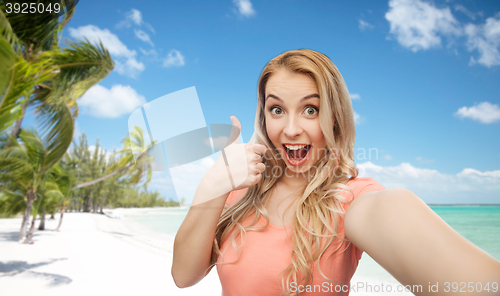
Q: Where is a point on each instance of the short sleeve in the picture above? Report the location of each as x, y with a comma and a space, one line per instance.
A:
367, 184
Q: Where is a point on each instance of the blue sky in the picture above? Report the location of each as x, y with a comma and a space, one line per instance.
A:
421, 76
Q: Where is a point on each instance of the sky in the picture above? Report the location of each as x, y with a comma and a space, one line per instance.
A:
421, 76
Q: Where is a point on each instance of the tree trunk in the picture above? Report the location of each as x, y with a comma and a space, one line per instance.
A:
102, 203
31, 195
52, 217
63, 209
17, 126
86, 203
96, 205
42, 220
32, 228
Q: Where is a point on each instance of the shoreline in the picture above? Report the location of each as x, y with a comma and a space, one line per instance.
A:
93, 254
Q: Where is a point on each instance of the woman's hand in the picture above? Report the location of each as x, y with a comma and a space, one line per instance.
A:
239, 166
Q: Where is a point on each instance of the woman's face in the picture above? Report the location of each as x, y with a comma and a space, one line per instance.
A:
292, 119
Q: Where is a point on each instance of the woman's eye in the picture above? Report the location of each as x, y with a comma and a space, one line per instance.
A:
311, 110
276, 111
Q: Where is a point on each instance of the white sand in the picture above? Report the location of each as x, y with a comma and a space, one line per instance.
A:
97, 255
91, 255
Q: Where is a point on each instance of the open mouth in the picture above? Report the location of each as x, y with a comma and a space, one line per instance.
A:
297, 155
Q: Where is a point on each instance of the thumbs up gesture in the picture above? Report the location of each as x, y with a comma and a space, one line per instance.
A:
239, 166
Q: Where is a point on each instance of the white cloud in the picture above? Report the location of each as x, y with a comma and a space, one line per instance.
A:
148, 52
357, 118
124, 58
355, 96
424, 160
486, 40
99, 101
143, 36
244, 7
174, 58
484, 112
468, 186
418, 25
130, 68
135, 16
365, 25
109, 40
468, 13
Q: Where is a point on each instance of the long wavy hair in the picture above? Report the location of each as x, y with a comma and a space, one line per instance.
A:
319, 204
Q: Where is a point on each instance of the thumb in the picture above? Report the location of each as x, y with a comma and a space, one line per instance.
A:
235, 131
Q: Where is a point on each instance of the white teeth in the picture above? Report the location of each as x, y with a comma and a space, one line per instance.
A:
295, 147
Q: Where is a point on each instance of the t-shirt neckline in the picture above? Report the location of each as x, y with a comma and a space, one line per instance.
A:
282, 228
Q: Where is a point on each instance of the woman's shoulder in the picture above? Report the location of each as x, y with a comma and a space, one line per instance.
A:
363, 185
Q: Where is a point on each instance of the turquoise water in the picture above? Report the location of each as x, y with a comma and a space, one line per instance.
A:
165, 220
478, 224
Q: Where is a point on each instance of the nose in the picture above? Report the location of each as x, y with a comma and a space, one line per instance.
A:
292, 128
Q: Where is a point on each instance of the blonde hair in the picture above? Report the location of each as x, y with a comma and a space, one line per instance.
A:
319, 203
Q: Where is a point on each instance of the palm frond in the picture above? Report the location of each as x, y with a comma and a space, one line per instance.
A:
34, 148
58, 124
16, 170
80, 66
37, 31
26, 76
7, 60
7, 32
12, 203
69, 8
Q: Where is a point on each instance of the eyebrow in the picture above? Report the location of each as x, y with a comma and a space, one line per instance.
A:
301, 100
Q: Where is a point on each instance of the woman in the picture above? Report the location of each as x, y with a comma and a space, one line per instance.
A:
293, 217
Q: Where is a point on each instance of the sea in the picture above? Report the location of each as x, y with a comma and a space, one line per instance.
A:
480, 224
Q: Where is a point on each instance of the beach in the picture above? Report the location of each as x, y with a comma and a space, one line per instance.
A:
129, 252
97, 255
91, 255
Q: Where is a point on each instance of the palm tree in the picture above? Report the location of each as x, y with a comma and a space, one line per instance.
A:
65, 181
40, 73
25, 164
51, 193
134, 146
58, 192
45, 74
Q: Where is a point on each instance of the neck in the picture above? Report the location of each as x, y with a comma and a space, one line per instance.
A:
293, 181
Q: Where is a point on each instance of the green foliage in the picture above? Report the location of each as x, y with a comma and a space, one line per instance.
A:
38, 71
28, 32
134, 152
135, 198
26, 165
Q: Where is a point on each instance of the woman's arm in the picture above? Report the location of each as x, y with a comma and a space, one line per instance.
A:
399, 231
193, 241
240, 166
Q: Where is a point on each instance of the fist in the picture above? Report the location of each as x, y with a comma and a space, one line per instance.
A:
239, 166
